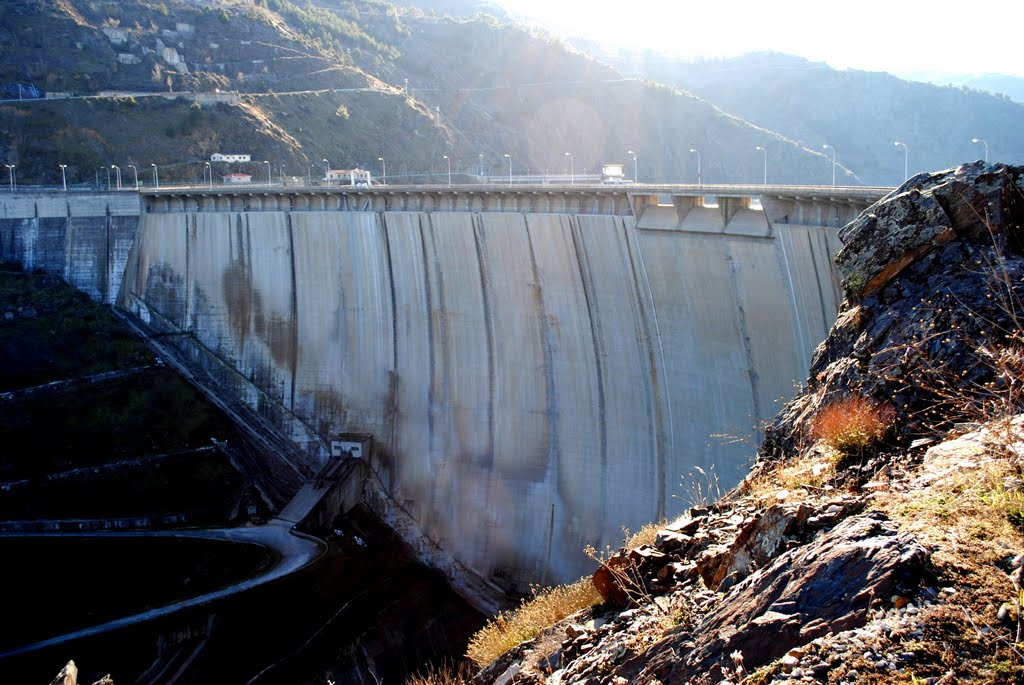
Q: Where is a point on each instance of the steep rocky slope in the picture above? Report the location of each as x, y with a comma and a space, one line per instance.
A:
879, 537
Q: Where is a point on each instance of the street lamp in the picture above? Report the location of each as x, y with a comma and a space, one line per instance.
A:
108, 177
156, 176
117, 170
327, 175
572, 170
136, 173
481, 155
209, 169
979, 140
268, 173
699, 182
636, 174
383, 171
765, 163
826, 146
449, 170
64, 177
509, 158
10, 174
906, 156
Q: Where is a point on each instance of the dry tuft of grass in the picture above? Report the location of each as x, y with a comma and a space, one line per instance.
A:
645, 536
851, 426
445, 674
545, 608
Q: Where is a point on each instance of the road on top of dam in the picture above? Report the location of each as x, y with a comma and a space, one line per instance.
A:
296, 551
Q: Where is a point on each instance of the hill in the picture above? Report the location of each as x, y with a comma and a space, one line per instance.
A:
168, 83
860, 113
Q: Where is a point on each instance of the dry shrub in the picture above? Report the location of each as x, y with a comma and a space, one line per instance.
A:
645, 536
851, 426
445, 674
545, 608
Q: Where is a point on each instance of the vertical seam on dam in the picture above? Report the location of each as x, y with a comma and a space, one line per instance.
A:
741, 322
783, 236
817, 281
293, 355
393, 385
107, 262
190, 270
431, 399
549, 366
583, 263
478, 240
661, 376
653, 405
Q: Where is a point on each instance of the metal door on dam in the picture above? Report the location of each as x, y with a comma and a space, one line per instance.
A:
533, 381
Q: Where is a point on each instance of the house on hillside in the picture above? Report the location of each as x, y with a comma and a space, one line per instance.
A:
218, 157
348, 177
237, 178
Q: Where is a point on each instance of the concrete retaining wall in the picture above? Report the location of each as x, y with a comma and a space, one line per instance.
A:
82, 237
533, 382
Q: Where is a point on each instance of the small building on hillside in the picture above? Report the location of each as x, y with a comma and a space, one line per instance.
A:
348, 177
237, 178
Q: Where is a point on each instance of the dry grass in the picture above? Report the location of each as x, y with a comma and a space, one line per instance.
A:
645, 536
445, 674
851, 426
546, 607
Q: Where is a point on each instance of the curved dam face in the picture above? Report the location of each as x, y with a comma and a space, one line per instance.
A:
533, 382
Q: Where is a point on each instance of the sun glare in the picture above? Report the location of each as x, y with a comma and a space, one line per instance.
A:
874, 35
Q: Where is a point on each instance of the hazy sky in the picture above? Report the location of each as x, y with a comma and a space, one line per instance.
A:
891, 35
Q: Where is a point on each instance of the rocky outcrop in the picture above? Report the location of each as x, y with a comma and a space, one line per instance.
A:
827, 586
933, 278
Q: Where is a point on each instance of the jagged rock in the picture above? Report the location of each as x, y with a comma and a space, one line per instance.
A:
919, 302
757, 542
825, 586
606, 580
68, 675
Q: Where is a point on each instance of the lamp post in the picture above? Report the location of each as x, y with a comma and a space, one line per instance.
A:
826, 146
906, 156
383, 171
572, 170
209, 169
765, 152
699, 182
481, 156
64, 177
117, 171
269, 182
447, 159
10, 175
136, 173
156, 176
108, 177
327, 175
979, 140
509, 158
636, 174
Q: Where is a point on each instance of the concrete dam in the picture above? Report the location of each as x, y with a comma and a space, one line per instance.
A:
537, 367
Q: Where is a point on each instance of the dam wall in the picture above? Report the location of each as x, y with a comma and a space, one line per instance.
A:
82, 237
533, 382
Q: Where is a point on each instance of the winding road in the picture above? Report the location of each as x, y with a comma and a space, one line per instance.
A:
296, 551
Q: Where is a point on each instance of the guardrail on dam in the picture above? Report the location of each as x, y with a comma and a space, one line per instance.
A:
538, 366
